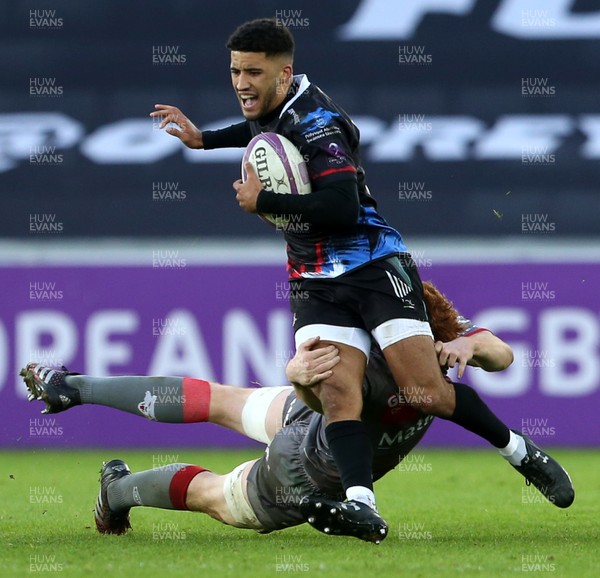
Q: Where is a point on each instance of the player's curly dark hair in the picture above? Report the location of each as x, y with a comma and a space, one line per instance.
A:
262, 35
443, 317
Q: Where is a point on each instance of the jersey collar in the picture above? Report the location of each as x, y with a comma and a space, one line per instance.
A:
302, 83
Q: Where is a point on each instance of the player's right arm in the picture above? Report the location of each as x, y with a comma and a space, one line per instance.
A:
236, 135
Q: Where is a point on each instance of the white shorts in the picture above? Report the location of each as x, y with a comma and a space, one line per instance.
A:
385, 334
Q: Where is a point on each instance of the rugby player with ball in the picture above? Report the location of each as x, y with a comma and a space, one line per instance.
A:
352, 277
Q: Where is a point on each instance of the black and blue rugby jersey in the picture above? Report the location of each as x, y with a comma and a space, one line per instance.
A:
329, 141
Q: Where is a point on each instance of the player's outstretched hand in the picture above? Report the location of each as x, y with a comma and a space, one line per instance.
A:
187, 132
312, 364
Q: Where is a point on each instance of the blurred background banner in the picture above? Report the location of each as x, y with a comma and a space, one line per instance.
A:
169, 315
123, 252
468, 109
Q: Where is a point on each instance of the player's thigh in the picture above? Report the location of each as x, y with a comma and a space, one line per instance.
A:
309, 398
322, 308
341, 394
275, 412
414, 365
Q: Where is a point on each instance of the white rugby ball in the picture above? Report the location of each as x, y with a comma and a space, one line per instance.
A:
280, 168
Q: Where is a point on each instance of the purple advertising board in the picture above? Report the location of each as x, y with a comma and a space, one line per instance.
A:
230, 323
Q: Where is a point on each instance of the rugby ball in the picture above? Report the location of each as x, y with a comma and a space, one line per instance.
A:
280, 168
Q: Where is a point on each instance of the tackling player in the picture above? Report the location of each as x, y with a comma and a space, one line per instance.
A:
268, 493
351, 275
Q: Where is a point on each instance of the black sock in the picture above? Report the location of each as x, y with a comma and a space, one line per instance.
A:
472, 414
351, 448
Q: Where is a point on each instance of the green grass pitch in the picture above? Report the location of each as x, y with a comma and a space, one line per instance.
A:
451, 513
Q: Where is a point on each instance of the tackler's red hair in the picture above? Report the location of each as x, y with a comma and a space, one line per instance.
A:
443, 317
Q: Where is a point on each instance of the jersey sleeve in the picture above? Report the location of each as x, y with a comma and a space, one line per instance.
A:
468, 327
334, 206
235, 135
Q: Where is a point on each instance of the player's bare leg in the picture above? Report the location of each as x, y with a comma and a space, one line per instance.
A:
414, 365
340, 395
309, 367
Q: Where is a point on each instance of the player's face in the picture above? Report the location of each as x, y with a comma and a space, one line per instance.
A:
260, 83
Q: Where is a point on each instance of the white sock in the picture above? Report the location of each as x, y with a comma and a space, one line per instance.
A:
363, 495
515, 451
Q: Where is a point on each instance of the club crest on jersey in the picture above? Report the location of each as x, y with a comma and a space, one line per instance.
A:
317, 119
